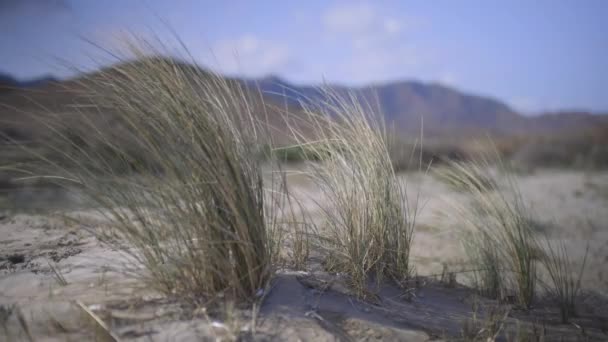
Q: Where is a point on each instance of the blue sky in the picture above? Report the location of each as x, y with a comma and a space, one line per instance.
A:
535, 55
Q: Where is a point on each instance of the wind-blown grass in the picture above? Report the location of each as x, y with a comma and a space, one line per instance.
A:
485, 255
166, 152
501, 242
565, 284
465, 175
369, 223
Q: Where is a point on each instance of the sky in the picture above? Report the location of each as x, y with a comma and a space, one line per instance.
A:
536, 56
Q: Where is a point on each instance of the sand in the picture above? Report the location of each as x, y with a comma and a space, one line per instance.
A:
49, 264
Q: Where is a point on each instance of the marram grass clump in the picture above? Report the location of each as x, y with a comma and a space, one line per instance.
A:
465, 176
500, 238
503, 241
564, 283
166, 152
368, 222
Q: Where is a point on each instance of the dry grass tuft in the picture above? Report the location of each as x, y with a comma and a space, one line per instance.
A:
368, 221
500, 240
176, 175
565, 283
465, 176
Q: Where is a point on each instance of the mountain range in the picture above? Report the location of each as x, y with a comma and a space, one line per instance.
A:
442, 110
10, 83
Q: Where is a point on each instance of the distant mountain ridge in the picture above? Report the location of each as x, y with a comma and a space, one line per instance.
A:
445, 111
9, 83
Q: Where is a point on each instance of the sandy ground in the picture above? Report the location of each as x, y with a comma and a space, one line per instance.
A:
50, 268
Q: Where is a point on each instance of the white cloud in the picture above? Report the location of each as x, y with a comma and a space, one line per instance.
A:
249, 55
351, 19
363, 19
381, 64
392, 25
246, 44
447, 78
362, 43
377, 44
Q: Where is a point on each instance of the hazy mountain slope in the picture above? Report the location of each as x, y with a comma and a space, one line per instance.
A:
446, 111
566, 121
405, 103
9, 83
22, 109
